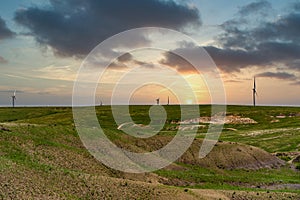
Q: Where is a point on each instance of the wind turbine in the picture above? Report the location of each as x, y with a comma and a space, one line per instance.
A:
13, 98
157, 101
254, 93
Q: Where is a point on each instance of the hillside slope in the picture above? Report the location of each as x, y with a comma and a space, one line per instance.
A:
42, 157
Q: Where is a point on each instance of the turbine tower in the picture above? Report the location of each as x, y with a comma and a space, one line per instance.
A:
254, 93
13, 98
168, 100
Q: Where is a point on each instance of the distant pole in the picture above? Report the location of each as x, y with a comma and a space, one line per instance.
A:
253, 99
168, 101
254, 92
13, 97
13, 101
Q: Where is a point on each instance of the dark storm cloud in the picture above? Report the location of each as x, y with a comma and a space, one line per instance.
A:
278, 75
74, 27
4, 30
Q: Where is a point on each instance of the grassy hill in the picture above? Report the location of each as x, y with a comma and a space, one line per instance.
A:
42, 157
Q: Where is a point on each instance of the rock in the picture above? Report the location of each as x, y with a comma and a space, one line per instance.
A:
281, 116
275, 121
4, 129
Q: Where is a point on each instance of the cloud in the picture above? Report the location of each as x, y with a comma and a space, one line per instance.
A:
253, 40
294, 64
5, 32
296, 83
286, 28
231, 60
16, 76
233, 81
125, 57
11, 91
127, 60
265, 55
227, 60
177, 62
296, 6
278, 75
52, 72
2, 60
74, 27
117, 66
255, 7
188, 58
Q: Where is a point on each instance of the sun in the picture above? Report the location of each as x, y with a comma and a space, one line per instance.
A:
189, 101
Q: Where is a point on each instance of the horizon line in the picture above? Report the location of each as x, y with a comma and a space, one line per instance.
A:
70, 106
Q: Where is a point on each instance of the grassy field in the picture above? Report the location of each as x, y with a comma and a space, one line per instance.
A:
41, 156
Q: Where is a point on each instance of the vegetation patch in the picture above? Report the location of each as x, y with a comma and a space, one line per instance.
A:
42, 157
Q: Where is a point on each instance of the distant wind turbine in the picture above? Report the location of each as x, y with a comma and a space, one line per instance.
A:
157, 101
13, 98
254, 93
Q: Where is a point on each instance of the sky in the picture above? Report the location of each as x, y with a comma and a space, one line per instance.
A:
44, 44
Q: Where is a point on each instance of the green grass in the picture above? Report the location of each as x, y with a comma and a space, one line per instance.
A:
273, 141
216, 178
36, 129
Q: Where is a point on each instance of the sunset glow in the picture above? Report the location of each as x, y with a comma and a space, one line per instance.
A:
40, 59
